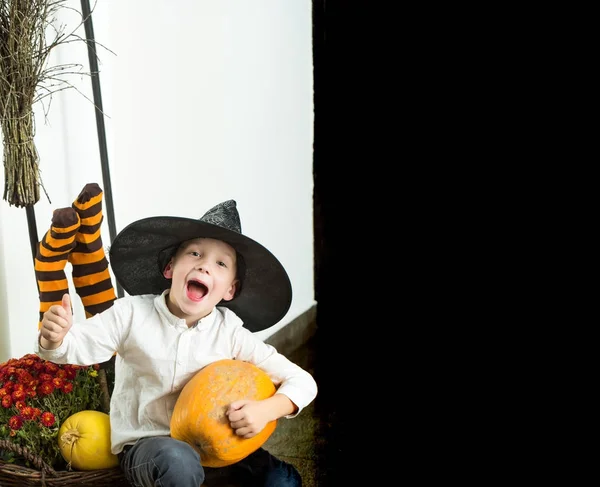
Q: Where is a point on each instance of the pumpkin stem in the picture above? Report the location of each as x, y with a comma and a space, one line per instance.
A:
70, 437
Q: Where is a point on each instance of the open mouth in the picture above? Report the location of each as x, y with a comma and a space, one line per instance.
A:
196, 290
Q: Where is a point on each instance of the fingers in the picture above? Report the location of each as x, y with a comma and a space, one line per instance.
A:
243, 425
57, 320
53, 330
235, 415
245, 428
238, 424
246, 432
66, 304
238, 420
237, 405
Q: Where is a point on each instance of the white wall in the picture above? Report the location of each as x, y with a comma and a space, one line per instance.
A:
204, 101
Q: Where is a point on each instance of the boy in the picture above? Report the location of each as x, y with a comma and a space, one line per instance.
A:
198, 289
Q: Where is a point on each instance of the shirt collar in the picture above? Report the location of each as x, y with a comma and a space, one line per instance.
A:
160, 303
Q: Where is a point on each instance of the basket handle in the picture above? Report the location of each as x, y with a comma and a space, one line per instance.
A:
28, 455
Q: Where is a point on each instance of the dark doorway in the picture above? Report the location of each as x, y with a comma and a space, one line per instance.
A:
333, 156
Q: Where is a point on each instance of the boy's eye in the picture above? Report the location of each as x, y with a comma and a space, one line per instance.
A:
195, 254
221, 263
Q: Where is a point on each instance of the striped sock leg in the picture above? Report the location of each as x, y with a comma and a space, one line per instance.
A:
91, 276
51, 258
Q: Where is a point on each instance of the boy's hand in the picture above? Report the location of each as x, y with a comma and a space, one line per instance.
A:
248, 418
57, 321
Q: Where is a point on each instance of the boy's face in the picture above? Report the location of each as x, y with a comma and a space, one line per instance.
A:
203, 273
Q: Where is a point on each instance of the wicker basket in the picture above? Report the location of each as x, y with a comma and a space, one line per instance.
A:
12, 475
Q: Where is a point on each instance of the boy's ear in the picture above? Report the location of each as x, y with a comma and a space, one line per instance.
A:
231, 291
168, 272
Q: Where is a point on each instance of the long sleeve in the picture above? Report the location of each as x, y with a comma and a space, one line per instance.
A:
290, 379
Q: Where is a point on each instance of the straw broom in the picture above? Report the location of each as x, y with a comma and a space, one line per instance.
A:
28, 33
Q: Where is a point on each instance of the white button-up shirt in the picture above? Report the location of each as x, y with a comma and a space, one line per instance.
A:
157, 354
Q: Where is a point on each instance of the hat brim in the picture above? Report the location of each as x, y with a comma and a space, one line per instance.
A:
134, 258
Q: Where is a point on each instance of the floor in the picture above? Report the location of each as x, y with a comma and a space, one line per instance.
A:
309, 441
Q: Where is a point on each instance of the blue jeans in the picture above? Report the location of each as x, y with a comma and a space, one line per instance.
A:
162, 461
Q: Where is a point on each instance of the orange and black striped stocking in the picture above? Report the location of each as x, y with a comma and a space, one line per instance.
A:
51, 258
91, 276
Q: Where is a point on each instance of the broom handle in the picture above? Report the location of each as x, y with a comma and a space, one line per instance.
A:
104, 388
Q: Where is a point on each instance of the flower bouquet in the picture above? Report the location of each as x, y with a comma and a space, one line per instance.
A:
36, 397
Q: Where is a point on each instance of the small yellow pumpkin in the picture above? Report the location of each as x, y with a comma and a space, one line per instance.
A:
84, 441
199, 417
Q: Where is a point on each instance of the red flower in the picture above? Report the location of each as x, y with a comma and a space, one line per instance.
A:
58, 382
47, 419
51, 368
25, 377
18, 394
44, 377
15, 423
46, 388
67, 387
7, 401
71, 372
27, 413
20, 405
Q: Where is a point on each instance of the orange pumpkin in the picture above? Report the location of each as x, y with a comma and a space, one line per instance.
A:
199, 415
